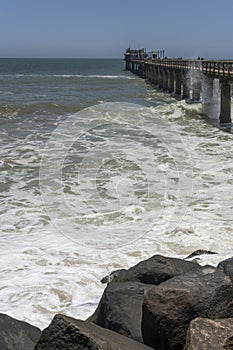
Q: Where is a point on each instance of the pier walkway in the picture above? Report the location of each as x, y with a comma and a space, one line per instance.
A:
186, 78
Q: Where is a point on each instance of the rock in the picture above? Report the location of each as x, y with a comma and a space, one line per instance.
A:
228, 345
17, 335
199, 252
109, 278
169, 308
66, 333
209, 334
157, 269
227, 267
120, 308
166, 316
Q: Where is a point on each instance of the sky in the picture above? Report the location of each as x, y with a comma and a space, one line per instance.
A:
105, 28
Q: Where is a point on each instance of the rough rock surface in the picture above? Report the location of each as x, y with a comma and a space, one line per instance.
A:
113, 275
169, 308
120, 308
65, 333
17, 335
157, 269
227, 267
206, 334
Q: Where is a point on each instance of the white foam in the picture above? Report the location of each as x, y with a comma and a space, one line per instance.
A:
179, 200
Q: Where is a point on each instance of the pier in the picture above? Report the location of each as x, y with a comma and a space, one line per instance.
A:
185, 77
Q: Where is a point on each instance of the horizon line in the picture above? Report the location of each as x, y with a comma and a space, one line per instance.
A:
68, 58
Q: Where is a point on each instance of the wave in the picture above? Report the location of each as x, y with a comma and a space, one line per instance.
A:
34, 108
5, 93
91, 76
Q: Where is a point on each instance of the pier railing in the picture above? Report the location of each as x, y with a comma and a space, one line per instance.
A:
213, 68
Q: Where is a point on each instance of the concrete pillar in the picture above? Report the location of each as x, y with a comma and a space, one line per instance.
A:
156, 75
171, 81
196, 90
140, 70
185, 85
225, 103
152, 74
147, 71
165, 80
178, 83
160, 76
208, 90
154, 78
186, 92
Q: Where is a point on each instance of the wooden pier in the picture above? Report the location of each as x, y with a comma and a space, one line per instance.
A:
185, 77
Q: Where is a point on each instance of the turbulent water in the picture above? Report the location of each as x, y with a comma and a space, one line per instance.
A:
99, 170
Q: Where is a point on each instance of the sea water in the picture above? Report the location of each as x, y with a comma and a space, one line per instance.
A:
100, 170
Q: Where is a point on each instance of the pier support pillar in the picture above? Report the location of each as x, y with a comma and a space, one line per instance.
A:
133, 67
165, 80
208, 90
171, 81
178, 83
160, 78
196, 91
225, 103
154, 77
141, 70
185, 85
185, 93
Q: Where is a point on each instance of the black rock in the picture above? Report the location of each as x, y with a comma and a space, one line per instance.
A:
17, 335
120, 308
169, 308
157, 269
227, 267
66, 333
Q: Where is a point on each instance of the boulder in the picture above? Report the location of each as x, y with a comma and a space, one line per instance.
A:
166, 316
17, 335
156, 270
227, 267
169, 308
209, 334
66, 333
120, 308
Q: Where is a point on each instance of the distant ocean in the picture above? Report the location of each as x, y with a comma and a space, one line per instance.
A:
99, 170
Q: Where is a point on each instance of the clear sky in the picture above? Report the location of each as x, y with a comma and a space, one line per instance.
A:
105, 28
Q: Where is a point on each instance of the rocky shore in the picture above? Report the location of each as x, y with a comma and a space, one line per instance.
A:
161, 303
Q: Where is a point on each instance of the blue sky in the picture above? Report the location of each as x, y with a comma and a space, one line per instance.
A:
105, 28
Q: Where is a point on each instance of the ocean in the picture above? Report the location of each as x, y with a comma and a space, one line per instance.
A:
100, 170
